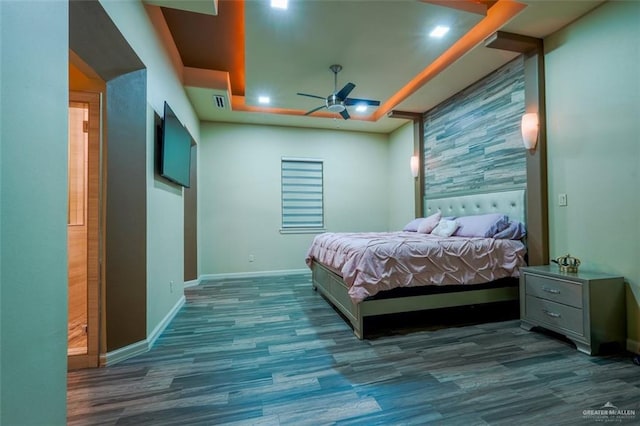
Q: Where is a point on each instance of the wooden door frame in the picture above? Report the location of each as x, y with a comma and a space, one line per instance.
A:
91, 358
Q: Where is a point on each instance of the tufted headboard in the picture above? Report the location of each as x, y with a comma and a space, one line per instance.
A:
511, 203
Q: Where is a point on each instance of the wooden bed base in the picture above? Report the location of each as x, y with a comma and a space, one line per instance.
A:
333, 288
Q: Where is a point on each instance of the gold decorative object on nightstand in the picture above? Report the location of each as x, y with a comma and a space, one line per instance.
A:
567, 263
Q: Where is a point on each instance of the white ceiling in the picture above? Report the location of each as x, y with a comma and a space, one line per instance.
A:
381, 44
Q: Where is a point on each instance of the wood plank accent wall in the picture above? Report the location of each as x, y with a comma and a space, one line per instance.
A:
472, 140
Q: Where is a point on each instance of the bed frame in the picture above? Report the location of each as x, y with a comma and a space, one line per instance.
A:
333, 288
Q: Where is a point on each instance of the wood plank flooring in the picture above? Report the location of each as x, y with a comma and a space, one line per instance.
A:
271, 351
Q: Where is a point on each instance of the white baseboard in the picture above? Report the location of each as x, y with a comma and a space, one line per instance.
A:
138, 348
126, 352
151, 338
191, 283
254, 274
633, 346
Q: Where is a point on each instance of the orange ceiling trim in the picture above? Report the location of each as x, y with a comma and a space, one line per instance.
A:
207, 41
237, 66
497, 16
238, 104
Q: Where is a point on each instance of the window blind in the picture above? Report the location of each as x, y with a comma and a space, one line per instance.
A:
302, 194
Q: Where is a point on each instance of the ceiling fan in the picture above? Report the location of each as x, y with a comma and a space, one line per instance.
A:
338, 100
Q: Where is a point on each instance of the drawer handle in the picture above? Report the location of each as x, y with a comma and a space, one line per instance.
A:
551, 290
551, 314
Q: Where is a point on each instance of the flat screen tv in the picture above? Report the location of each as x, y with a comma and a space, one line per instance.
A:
175, 149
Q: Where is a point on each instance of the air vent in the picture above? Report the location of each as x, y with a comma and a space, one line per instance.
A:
219, 102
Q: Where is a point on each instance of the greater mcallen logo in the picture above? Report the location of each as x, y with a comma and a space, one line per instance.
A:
609, 413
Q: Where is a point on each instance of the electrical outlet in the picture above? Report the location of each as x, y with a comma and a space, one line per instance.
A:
252, 258
562, 200
171, 286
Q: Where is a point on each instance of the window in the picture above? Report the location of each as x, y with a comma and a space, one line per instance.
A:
302, 195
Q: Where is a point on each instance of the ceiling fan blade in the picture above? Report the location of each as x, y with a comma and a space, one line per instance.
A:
345, 114
344, 92
311, 96
315, 109
355, 101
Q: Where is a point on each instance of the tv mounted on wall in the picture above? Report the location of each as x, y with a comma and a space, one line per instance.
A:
175, 149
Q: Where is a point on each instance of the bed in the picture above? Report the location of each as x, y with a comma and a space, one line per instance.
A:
403, 289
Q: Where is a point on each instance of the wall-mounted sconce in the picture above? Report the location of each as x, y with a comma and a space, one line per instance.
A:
530, 127
415, 166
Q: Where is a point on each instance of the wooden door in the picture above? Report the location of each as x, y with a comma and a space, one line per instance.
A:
83, 229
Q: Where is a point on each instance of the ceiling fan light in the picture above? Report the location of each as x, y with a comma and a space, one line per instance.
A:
280, 4
335, 104
439, 31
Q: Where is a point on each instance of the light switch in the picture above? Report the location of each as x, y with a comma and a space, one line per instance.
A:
562, 200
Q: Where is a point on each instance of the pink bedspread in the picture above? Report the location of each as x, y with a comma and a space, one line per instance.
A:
373, 262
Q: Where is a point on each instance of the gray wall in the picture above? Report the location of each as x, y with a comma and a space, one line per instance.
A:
401, 183
164, 200
239, 201
593, 142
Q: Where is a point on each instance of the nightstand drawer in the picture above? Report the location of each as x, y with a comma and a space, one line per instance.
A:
556, 315
555, 290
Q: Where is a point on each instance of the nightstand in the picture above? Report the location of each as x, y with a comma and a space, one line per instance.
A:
586, 307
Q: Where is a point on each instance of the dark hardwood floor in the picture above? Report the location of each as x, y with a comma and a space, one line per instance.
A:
271, 351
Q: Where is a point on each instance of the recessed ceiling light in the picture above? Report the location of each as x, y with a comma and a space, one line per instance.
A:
439, 31
279, 4
264, 99
361, 107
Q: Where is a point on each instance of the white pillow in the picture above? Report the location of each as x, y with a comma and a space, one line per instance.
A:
445, 228
429, 223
